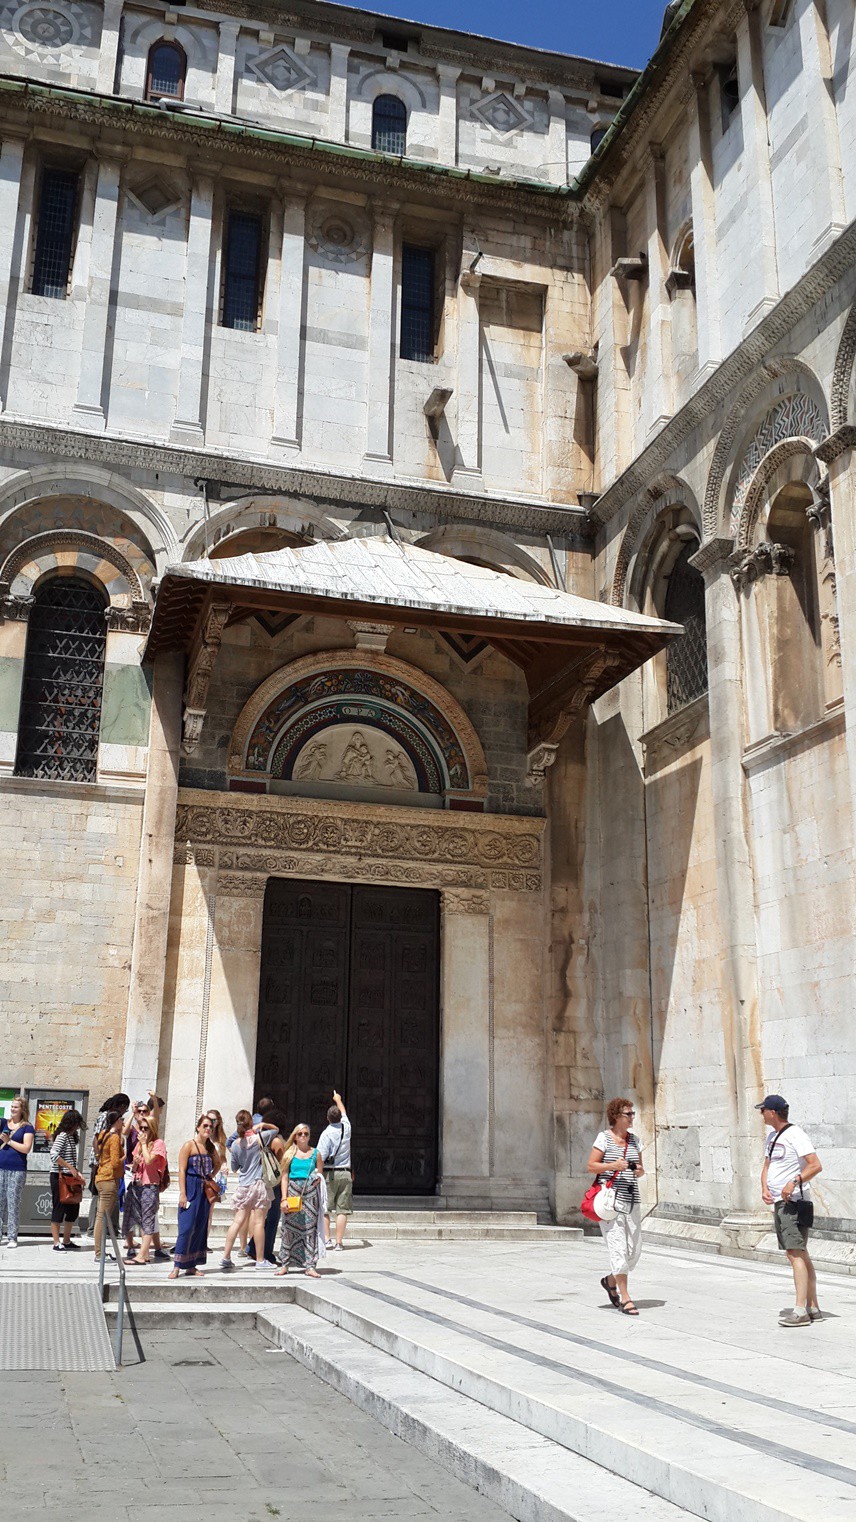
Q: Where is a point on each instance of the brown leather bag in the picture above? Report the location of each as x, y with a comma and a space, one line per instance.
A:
71, 1184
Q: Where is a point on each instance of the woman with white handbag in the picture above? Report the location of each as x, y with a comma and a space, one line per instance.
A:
616, 1160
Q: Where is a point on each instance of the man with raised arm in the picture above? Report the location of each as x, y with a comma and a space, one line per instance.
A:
334, 1146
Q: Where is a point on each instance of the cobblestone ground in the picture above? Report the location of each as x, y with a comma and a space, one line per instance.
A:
215, 1429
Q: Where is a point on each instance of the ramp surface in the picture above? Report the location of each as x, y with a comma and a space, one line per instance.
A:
53, 1326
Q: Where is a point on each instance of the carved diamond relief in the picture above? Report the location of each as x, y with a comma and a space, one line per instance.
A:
280, 68
156, 197
502, 113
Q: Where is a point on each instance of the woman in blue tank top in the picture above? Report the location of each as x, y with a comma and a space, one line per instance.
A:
302, 1171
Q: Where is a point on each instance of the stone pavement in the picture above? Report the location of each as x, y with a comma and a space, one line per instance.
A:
212, 1426
505, 1360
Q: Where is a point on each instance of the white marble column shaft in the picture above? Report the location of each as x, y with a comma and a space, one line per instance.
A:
381, 342
224, 88
286, 421
447, 120
756, 155
187, 427
658, 377
704, 229
11, 170
108, 54
827, 178
89, 407
337, 103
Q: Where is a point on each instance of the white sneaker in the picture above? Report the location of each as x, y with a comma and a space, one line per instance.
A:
13, 1242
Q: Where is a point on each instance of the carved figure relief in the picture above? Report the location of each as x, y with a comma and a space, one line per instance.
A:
357, 757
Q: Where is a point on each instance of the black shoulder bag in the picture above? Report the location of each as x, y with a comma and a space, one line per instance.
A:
802, 1208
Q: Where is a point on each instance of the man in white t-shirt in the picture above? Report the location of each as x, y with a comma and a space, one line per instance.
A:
790, 1161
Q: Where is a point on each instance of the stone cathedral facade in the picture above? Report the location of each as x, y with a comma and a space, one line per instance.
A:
377, 406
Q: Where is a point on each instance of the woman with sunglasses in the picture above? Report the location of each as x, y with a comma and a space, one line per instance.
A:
617, 1156
196, 1163
302, 1178
142, 1196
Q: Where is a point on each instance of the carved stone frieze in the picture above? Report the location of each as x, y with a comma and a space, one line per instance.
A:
456, 902
187, 855
134, 620
15, 607
360, 843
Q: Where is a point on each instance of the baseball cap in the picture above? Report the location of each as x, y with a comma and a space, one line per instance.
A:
774, 1102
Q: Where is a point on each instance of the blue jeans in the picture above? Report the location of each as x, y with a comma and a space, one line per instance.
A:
11, 1189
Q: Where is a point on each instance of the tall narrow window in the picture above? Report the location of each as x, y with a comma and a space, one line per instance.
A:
242, 262
63, 678
597, 137
417, 303
389, 125
54, 233
686, 658
166, 72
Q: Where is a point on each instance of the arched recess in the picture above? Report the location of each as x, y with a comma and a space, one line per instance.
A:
341, 720
299, 521
791, 460
777, 378
383, 82
842, 375
666, 491
485, 546
677, 676
83, 497
70, 553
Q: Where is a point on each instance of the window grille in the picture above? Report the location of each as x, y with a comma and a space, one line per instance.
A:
166, 71
57, 202
63, 677
686, 658
417, 303
241, 286
389, 125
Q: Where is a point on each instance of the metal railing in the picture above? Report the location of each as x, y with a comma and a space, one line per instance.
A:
107, 1221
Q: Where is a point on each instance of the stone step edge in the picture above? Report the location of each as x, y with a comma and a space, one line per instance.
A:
562, 1486
836, 1262
668, 1477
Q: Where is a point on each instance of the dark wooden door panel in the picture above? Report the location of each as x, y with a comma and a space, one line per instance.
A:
349, 997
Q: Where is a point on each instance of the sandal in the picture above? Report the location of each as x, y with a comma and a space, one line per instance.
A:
629, 1309
280, 1272
612, 1291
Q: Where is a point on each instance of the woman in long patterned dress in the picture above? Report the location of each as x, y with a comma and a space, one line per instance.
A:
196, 1162
302, 1173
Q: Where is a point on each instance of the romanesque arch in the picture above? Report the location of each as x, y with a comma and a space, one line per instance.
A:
89, 499
488, 547
300, 518
356, 717
842, 375
663, 492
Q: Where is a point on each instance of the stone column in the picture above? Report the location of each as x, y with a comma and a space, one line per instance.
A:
224, 89
108, 55
658, 370
447, 121
11, 166
842, 506
467, 470
151, 920
228, 1060
381, 341
557, 138
466, 1099
704, 228
89, 408
614, 422
734, 875
286, 422
192, 931
827, 179
756, 158
187, 428
337, 105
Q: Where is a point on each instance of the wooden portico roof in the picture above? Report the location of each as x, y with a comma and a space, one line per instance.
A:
570, 649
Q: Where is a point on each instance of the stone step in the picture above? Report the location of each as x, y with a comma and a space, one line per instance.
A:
729, 1449
532, 1478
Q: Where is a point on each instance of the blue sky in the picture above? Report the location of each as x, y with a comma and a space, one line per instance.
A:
614, 31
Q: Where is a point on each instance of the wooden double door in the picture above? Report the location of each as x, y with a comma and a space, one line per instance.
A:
349, 999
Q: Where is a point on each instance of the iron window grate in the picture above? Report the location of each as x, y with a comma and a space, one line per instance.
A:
686, 658
241, 288
417, 303
167, 67
55, 232
60, 719
389, 125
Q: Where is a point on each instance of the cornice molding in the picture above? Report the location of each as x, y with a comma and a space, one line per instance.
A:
248, 476
133, 118
720, 387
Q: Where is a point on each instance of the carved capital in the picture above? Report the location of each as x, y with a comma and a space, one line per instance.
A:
712, 558
134, 620
538, 762
368, 635
837, 443
14, 607
767, 559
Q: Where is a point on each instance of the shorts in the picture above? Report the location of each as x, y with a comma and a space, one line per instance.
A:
255, 1195
792, 1237
60, 1211
340, 1192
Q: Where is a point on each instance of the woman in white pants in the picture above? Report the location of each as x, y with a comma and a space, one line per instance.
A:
617, 1155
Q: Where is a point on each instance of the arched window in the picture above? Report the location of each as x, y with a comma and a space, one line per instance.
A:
60, 716
389, 125
790, 593
686, 658
597, 137
166, 71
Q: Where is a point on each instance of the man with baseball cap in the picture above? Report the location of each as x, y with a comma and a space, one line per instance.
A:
790, 1161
